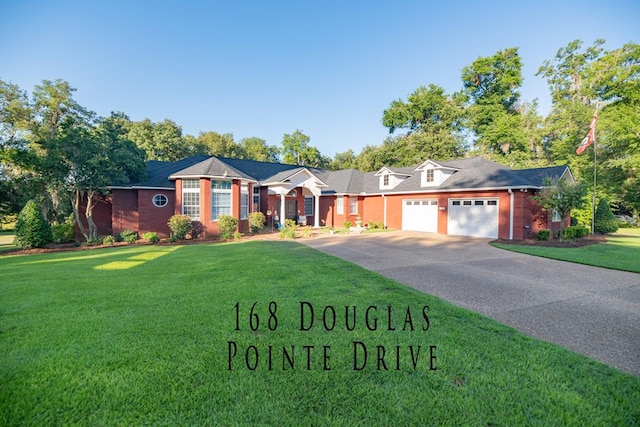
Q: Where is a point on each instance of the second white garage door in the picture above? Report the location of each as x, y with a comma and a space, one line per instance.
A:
473, 217
420, 215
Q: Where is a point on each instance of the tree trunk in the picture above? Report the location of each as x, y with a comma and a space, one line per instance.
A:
93, 229
76, 214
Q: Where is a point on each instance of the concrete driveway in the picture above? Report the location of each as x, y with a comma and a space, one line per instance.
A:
590, 310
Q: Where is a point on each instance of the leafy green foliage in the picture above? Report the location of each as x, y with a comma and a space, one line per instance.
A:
32, 230
180, 226
605, 221
543, 234
228, 225
433, 121
257, 220
574, 232
108, 240
129, 236
289, 229
562, 196
151, 237
63, 233
297, 151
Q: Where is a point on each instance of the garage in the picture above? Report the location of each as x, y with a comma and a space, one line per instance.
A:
420, 215
473, 217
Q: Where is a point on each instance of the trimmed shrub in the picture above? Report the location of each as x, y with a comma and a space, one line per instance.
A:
257, 221
151, 237
129, 236
197, 229
575, 232
543, 234
237, 235
227, 225
32, 230
63, 233
605, 222
108, 240
180, 226
289, 229
347, 224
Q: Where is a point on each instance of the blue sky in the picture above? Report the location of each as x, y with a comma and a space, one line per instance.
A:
266, 68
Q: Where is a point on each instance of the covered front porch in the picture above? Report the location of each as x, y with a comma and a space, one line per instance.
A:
295, 196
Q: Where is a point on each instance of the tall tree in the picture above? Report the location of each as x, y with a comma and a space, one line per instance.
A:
433, 123
492, 85
345, 160
581, 79
95, 157
160, 141
53, 111
218, 144
297, 151
255, 148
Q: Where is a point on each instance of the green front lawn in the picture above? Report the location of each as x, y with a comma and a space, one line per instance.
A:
620, 252
142, 335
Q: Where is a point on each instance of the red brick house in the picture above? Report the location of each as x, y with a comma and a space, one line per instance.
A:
468, 197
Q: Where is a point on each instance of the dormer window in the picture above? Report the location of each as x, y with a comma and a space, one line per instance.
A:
389, 179
429, 176
434, 174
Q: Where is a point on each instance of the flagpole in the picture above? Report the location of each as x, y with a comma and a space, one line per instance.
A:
593, 202
593, 208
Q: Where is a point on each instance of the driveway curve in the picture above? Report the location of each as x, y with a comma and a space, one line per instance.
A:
590, 310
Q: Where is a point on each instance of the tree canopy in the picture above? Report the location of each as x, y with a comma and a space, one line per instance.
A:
48, 141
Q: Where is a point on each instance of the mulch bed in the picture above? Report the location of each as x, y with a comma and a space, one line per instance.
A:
574, 243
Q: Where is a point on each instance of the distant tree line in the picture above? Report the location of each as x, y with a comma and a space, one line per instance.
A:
58, 152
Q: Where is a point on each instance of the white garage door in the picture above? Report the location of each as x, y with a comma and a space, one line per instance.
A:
473, 217
420, 215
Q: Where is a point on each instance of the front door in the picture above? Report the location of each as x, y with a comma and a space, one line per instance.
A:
291, 209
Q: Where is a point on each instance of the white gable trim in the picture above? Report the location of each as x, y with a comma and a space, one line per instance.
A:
435, 165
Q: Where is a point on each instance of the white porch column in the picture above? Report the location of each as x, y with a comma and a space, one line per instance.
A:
316, 213
282, 209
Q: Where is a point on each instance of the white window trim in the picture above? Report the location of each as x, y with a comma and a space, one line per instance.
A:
255, 199
191, 190
221, 191
555, 216
340, 205
244, 201
353, 202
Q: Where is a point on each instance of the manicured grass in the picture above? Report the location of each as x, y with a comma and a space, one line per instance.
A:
620, 252
140, 335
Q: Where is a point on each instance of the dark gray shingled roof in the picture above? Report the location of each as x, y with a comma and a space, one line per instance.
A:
212, 166
346, 181
258, 170
158, 172
538, 176
472, 173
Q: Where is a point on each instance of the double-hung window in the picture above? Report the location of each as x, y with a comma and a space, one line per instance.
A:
340, 205
191, 198
220, 198
244, 201
256, 198
308, 205
353, 205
